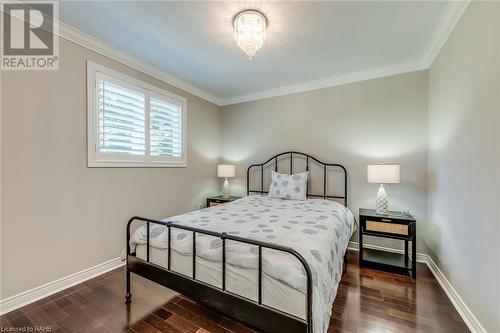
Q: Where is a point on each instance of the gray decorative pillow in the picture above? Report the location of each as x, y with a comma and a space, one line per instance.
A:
290, 187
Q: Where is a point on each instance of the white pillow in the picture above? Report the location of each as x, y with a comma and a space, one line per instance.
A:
291, 187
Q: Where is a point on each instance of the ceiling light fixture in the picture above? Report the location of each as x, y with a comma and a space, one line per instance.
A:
250, 31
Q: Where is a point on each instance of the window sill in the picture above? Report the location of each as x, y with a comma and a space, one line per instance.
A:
135, 165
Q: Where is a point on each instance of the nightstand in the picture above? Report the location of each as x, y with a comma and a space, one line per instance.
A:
214, 201
395, 226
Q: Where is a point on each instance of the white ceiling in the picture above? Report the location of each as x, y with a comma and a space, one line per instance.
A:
306, 41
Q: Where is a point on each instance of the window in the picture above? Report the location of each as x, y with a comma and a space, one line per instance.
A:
132, 123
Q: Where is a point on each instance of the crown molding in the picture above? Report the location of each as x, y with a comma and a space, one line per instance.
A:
452, 14
449, 19
330, 81
74, 35
81, 38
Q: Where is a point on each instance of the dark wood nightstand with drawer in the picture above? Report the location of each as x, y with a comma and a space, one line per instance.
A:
214, 201
395, 226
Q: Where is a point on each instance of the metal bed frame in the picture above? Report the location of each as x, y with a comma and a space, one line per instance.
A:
254, 313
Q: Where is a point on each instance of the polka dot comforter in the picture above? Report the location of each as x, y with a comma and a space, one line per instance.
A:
318, 229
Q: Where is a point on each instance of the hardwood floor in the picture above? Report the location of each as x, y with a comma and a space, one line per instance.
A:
367, 301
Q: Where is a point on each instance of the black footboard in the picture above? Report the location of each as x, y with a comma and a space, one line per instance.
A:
252, 312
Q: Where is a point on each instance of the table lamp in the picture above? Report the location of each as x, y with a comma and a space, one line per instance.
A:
226, 171
383, 174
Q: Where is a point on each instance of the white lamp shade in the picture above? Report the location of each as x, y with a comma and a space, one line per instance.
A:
383, 173
226, 170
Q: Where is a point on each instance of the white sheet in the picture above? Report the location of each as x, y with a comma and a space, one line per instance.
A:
241, 281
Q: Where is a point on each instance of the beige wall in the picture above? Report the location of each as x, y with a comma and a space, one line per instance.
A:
356, 124
59, 216
464, 161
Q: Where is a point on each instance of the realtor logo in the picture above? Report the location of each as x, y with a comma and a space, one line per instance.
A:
29, 35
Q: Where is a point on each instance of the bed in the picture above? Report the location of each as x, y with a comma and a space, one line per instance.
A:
272, 263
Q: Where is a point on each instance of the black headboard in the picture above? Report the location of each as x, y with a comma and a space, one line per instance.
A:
291, 154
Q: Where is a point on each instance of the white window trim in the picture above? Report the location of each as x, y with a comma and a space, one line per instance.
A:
96, 160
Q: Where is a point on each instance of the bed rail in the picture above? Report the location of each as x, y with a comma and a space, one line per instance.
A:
255, 313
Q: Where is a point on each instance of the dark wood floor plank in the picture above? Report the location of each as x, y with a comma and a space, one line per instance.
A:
182, 324
18, 319
41, 318
235, 327
367, 301
143, 327
201, 311
54, 311
202, 322
160, 324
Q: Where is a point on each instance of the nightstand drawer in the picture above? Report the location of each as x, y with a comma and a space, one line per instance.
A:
387, 227
214, 203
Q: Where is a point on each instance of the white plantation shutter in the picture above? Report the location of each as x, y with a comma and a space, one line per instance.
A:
166, 128
121, 120
132, 123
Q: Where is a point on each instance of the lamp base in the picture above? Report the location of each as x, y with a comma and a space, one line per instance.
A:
225, 190
382, 203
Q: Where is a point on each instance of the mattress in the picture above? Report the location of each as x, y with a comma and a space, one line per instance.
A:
240, 281
317, 229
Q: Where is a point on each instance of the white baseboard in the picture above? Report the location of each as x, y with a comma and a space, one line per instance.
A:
468, 317
15, 302
470, 320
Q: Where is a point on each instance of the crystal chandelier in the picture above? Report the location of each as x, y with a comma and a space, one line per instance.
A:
250, 31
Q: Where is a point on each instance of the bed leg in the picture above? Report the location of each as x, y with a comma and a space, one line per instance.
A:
346, 258
128, 295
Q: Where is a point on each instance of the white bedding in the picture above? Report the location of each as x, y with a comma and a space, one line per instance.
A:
240, 281
318, 229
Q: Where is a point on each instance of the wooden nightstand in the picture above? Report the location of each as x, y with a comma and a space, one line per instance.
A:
395, 226
214, 201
